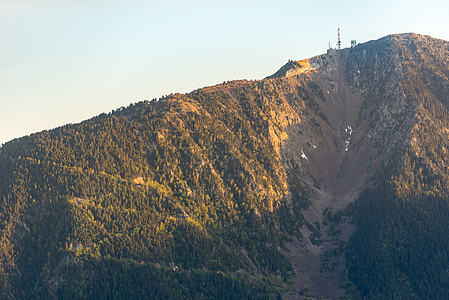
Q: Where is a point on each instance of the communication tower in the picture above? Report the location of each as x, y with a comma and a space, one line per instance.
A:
338, 40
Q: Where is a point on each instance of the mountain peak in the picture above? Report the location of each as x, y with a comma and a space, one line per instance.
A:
199, 194
295, 68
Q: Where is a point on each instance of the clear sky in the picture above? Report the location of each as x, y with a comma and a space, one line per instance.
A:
64, 61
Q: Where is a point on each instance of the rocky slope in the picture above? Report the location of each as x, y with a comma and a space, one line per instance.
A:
254, 185
371, 104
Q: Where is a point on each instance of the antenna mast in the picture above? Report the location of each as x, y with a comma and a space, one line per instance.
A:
339, 40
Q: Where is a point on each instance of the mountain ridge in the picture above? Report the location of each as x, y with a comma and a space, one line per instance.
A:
255, 184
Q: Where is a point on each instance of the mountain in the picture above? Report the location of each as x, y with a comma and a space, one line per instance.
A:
328, 179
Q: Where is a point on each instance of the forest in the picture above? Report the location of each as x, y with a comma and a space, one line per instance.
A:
196, 196
400, 248
178, 196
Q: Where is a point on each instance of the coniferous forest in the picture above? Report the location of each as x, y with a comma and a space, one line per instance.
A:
328, 179
132, 203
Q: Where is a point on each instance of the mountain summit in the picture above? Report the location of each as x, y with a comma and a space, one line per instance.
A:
327, 179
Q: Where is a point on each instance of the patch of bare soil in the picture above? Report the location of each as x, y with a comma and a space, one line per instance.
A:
336, 166
319, 269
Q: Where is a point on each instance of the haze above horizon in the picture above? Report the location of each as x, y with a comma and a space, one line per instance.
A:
66, 61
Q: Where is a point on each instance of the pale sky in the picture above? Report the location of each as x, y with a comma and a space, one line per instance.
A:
65, 61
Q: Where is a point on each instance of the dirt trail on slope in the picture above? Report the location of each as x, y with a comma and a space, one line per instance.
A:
338, 167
